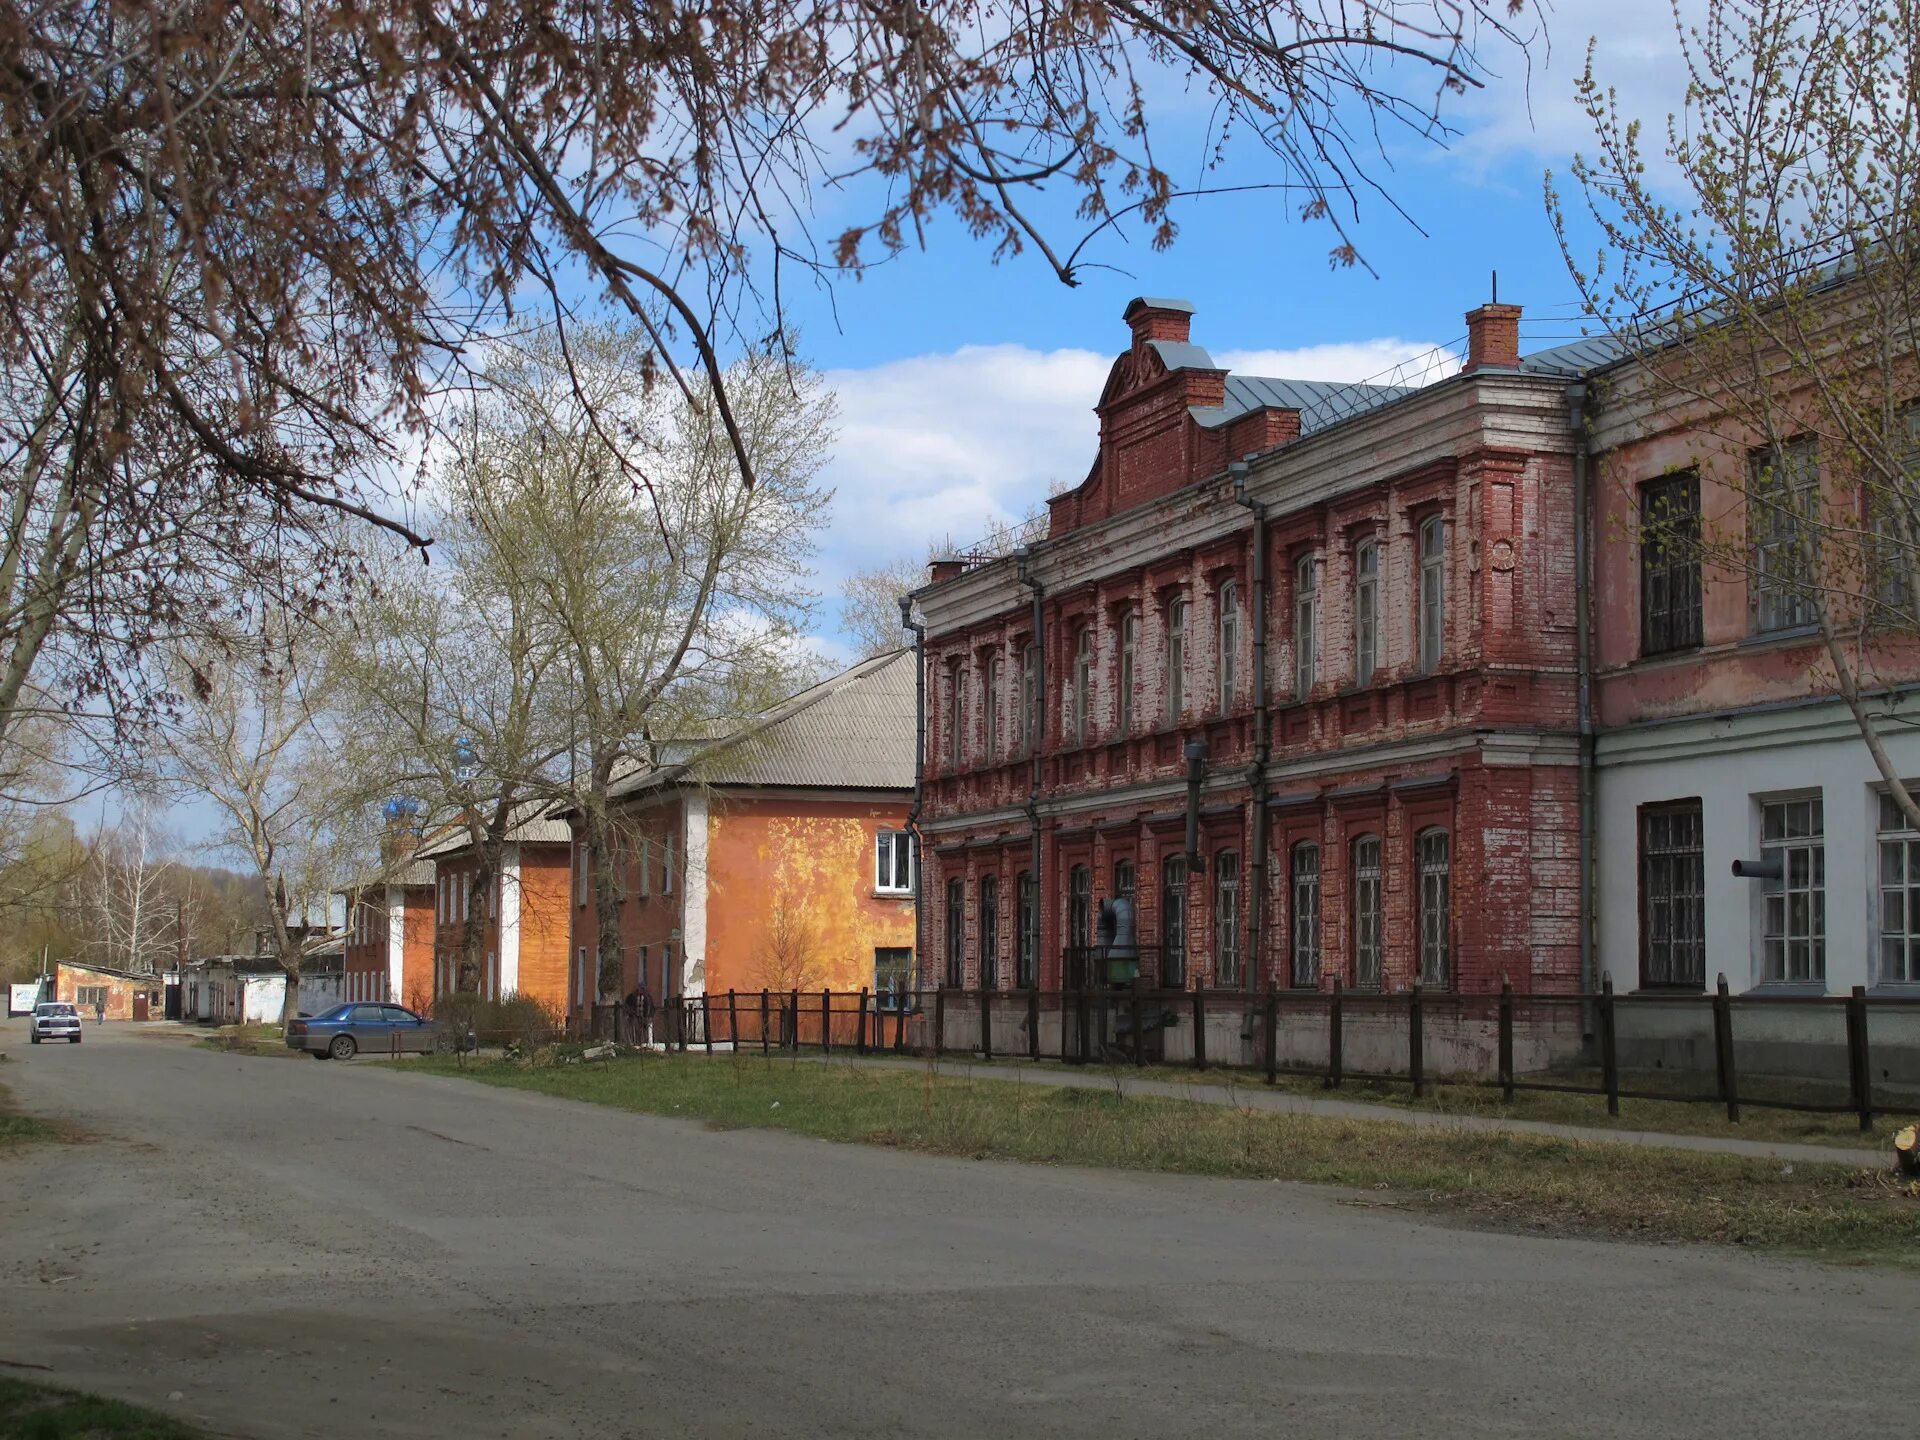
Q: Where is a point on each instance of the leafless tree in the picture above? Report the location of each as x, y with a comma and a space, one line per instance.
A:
244, 248
1761, 258
870, 605
789, 957
130, 908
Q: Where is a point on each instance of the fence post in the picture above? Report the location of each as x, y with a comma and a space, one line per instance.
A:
1033, 1023
1723, 1050
939, 1019
1199, 1024
1273, 1036
793, 998
826, 1022
861, 1046
1336, 1036
706, 1022
1609, 1050
733, 1021
1859, 1066
1417, 1041
986, 1023
900, 1021
1506, 1039
766, 1009
1080, 1052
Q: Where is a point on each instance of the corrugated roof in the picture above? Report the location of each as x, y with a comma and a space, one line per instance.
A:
853, 731
533, 822
1320, 402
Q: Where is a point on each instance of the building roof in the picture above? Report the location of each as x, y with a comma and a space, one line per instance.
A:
853, 731
531, 822
118, 974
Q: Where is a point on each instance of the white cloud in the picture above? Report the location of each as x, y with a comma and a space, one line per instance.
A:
951, 446
1536, 115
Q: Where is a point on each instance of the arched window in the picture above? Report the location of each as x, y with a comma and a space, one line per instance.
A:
1123, 883
952, 718
1433, 591
1366, 610
1229, 647
1432, 857
989, 932
1026, 943
1082, 683
1306, 625
956, 932
1080, 926
1303, 884
1029, 699
990, 705
1129, 650
1366, 912
1226, 918
1176, 661
1173, 922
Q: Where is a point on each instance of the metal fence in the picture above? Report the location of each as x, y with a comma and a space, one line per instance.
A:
1567, 1043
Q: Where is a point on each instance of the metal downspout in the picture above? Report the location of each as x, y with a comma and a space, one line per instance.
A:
1262, 745
907, 622
1583, 629
1024, 561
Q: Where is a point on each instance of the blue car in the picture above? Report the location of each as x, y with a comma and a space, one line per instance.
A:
346, 1030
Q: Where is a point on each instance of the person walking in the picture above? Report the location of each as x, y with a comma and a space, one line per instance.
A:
99, 1010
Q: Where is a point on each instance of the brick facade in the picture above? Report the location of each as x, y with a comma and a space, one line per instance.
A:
1459, 494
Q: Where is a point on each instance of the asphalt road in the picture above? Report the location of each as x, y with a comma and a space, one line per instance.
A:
298, 1249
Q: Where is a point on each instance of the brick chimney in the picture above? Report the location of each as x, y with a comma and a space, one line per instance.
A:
944, 567
1153, 319
1493, 338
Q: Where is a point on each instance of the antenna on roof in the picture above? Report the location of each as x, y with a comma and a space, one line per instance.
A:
1496, 287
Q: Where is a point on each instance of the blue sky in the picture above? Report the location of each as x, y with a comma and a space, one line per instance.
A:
966, 387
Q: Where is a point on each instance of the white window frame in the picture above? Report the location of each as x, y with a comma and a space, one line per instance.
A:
887, 848
1228, 604
1430, 595
1129, 653
1366, 611
1369, 910
1895, 839
1803, 861
1176, 659
1082, 682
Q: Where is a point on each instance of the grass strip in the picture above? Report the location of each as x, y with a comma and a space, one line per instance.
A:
17, 1129
1500, 1181
33, 1412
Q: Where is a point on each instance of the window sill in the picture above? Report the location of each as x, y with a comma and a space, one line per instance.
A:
882, 893
1790, 989
1791, 635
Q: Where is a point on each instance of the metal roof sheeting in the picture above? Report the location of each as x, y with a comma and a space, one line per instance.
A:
854, 731
533, 822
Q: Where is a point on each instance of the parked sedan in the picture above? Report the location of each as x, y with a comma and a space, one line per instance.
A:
55, 1020
344, 1031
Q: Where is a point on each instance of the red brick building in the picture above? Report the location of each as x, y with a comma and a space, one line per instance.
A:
389, 940
524, 948
1351, 607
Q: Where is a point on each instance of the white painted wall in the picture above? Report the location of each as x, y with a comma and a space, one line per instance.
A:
510, 920
693, 909
1727, 762
396, 943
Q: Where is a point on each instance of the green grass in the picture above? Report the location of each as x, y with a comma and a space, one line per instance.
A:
29, 1412
1504, 1181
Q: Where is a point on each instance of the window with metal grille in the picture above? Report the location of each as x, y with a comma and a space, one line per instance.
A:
1303, 874
1899, 958
1229, 664
1895, 549
892, 978
1783, 499
1670, 563
1082, 682
956, 932
1366, 912
1026, 941
1673, 916
1432, 859
1433, 592
1793, 928
1306, 625
893, 862
1176, 661
1366, 610
1080, 925
1173, 922
1226, 918
1129, 650
989, 932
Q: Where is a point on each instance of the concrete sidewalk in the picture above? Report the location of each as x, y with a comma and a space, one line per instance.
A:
1254, 1094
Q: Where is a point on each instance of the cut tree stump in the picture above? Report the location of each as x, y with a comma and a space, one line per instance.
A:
1906, 1150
